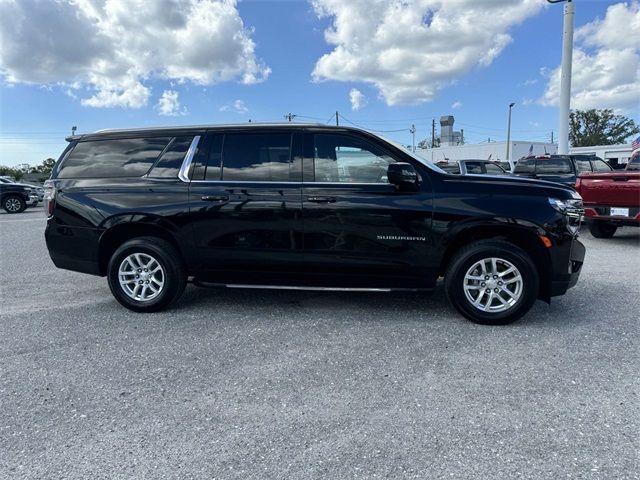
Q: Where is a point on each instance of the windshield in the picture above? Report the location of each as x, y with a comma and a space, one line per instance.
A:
553, 165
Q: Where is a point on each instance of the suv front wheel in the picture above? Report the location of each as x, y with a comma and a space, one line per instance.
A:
492, 282
13, 204
146, 274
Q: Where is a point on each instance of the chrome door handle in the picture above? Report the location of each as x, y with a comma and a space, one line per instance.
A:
215, 198
321, 199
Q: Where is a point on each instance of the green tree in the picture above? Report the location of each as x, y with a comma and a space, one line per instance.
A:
599, 127
15, 173
426, 143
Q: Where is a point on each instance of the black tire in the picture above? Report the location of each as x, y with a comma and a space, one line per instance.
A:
175, 276
475, 252
14, 204
600, 229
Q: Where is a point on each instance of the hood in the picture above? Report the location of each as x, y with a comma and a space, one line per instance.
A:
510, 185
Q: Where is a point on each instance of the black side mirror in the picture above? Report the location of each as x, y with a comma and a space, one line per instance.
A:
402, 175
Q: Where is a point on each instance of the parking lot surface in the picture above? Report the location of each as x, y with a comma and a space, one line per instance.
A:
289, 384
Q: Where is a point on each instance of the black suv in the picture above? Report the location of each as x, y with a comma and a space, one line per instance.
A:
309, 206
15, 198
560, 168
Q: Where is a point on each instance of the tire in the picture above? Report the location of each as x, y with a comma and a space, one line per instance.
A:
139, 252
500, 307
600, 229
14, 204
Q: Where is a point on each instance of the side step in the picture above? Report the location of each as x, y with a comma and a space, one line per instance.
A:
293, 287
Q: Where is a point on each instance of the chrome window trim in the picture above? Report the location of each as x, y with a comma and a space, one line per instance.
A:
306, 184
188, 158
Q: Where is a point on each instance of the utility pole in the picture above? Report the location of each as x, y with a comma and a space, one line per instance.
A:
290, 116
551, 136
413, 140
462, 136
509, 134
565, 77
337, 119
433, 133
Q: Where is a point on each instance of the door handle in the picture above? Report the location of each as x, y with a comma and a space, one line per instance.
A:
215, 198
322, 199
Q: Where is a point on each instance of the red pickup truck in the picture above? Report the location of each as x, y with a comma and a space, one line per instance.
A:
611, 200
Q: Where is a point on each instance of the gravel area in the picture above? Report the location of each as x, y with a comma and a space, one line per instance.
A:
254, 384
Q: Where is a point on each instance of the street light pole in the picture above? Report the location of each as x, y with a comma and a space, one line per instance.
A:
413, 141
509, 135
565, 78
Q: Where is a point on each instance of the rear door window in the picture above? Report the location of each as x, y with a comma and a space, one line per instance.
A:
258, 157
474, 168
493, 169
128, 157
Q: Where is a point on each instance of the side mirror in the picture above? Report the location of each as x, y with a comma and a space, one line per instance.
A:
402, 175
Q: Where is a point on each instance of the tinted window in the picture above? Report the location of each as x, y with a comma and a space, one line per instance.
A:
129, 157
170, 162
474, 168
525, 165
634, 163
600, 166
494, 169
342, 158
256, 157
583, 165
450, 167
553, 165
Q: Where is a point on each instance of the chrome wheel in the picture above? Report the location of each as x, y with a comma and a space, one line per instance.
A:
493, 285
12, 205
141, 277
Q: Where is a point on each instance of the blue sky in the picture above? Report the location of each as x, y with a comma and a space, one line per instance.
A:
288, 38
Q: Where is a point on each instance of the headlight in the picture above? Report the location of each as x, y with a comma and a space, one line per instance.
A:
572, 207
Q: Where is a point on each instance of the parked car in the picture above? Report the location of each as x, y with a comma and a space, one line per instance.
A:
611, 200
37, 190
562, 169
303, 206
472, 167
15, 198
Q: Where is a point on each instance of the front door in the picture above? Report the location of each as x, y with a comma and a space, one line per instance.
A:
359, 230
245, 204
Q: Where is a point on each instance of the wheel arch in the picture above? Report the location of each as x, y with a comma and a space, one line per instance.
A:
119, 233
525, 237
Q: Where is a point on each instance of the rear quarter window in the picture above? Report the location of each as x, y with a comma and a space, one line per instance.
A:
128, 157
525, 165
553, 166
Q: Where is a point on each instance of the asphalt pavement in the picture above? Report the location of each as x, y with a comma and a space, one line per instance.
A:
254, 384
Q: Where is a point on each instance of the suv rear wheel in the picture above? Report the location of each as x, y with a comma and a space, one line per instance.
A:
13, 204
146, 274
492, 282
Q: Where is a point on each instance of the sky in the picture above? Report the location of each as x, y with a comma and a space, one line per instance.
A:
382, 64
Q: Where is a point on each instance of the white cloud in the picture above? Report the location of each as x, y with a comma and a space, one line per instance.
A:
606, 63
457, 104
527, 101
411, 49
169, 104
237, 106
113, 47
357, 98
530, 81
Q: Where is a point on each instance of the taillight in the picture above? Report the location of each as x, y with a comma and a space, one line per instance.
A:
49, 197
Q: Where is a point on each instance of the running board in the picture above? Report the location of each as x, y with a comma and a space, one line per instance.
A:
296, 287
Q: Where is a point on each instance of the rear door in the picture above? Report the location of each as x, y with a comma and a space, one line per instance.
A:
359, 230
245, 204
